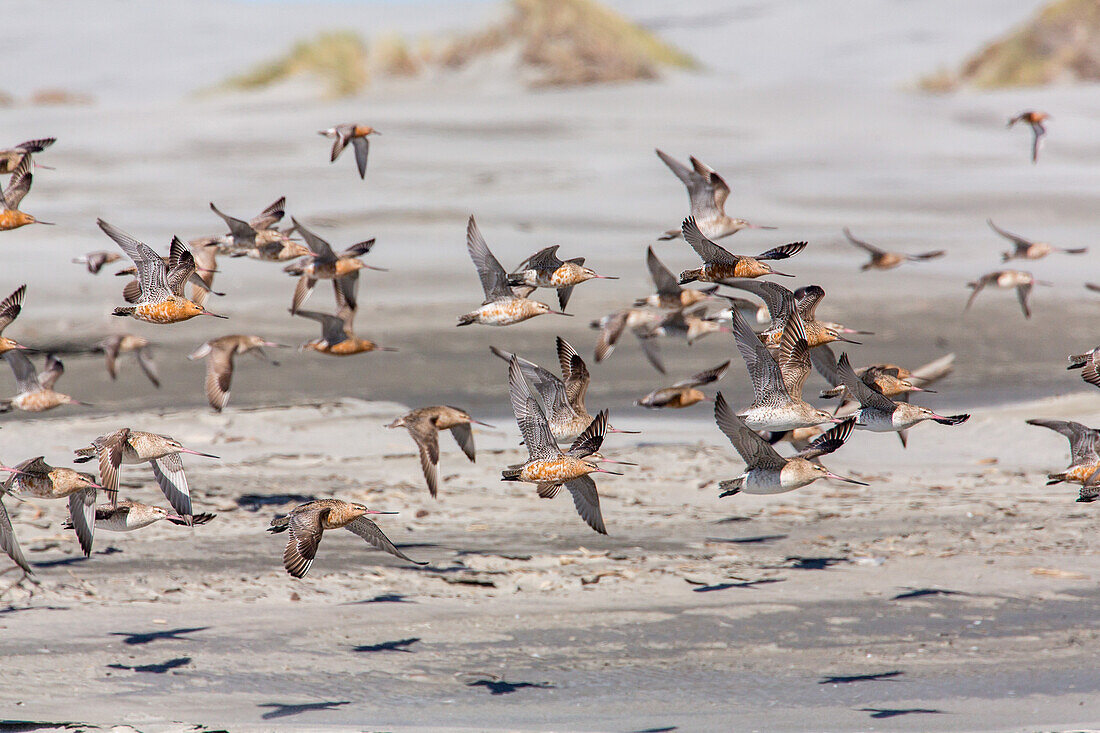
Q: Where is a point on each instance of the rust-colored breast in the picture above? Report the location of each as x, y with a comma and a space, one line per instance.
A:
554, 470
13, 219
352, 346
1080, 474
748, 267
722, 271
170, 311
39, 401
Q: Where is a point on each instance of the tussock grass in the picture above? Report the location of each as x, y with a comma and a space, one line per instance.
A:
1060, 43
337, 58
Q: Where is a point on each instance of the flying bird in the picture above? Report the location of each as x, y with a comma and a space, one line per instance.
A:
1035, 121
1027, 249
424, 424
883, 260
708, 193
356, 134
1022, 281
18, 187
721, 265
684, 393
219, 354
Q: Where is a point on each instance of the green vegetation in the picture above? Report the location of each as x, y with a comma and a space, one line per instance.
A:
338, 58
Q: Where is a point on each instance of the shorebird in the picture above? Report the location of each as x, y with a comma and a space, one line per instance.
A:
684, 393
219, 355
545, 269
889, 379
199, 278
670, 295
161, 298
501, 307
767, 472
878, 413
1022, 281
424, 424
37, 479
10, 308
337, 336
356, 134
564, 398
18, 187
1089, 364
782, 303
258, 239
307, 522
128, 516
343, 270
692, 324
777, 381
547, 466
113, 346
883, 260
36, 392
721, 265
1084, 461
95, 261
12, 158
1034, 120
642, 322
135, 446
1026, 249
708, 193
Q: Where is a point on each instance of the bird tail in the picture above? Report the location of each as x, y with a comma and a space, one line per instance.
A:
124, 311
670, 234
510, 474
690, 276
84, 454
1055, 478
731, 487
516, 280
1077, 361
279, 524
467, 319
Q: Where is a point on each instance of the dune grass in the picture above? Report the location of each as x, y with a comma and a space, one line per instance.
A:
1060, 43
337, 58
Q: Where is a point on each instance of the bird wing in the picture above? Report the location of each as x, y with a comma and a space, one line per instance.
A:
464, 435
700, 192
824, 361
148, 365
109, 451
52, 372
8, 542
338, 145
779, 300
609, 334
807, 299
933, 371
1023, 292
867, 395
173, 482
783, 251
829, 441
978, 285
666, 282
219, 375
19, 184
25, 376
11, 306
715, 188
362, 149
82, 513
270, 216
369, 531
1016, 239
587, 501
494, 280
1084, 442
332, 327
704, 377
866, 246
322, 251
152, 273
36, 146
529, 415
552, 391
424, 433
754, 450
591, 438
240, 229
574, 372
182, 269
545, 259
710, 252
764, 371
303, 536
794, 357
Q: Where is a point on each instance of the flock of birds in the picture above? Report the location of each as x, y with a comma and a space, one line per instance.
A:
562, 437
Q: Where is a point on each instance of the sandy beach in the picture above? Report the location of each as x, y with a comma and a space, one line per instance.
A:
956, 592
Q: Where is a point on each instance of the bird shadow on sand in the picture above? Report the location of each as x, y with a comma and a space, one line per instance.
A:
662, 729
63, 562
398, 645
812, 563
381, 598
849, 679
283, 710
150, 636
913, 593
897, 712
500, 686
741, 584
256, 502
26, 726
161, 668
747, 540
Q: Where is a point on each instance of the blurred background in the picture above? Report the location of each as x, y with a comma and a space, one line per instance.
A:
541, 118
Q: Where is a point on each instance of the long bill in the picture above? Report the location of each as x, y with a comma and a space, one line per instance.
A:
830, 474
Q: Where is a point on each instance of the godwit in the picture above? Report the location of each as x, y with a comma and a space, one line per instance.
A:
1084, 461
767, 472
161, 299
684, 393
258, 238
501, 307
18, 187
548, 467
670, 295
10, 308
356, 134
1038, 131
883, 260
36, 478
95, 261
219, 355
781, 303
343, 270
1026, 249
721, 265
692, 324
708, 193
135, 446
307, 522
564, 398
424, 424
36, 392
337, 336
1022, 281
642, 322
12, 158
200, 278
777, 383
1089, 364
878, 413
127, 516
113, 346
545, 269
